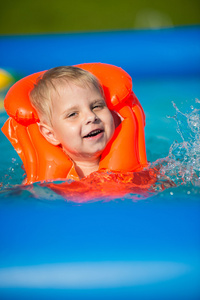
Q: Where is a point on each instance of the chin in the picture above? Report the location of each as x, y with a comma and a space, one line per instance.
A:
96, 153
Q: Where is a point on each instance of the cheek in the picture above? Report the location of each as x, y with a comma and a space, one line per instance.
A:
110, 124
116, 118
112, 127
66, 132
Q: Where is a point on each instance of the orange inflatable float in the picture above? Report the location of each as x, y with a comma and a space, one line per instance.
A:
43, 161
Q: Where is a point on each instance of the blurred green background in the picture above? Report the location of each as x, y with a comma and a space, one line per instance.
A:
47, 16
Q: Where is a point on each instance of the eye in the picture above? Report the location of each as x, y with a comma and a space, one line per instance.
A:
99, 105
72, 115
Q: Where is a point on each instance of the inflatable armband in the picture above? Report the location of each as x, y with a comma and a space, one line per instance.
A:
43, 161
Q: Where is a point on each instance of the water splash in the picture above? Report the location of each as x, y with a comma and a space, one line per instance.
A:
182, 165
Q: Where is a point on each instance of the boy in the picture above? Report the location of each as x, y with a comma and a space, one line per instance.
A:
73, 113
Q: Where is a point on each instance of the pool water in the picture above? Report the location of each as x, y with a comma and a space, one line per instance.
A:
139, 243
162, 99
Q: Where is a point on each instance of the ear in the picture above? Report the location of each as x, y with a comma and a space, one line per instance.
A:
48, 133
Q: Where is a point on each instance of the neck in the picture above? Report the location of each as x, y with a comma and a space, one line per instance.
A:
85, 168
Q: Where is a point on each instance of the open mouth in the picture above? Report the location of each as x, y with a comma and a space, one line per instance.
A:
93, 133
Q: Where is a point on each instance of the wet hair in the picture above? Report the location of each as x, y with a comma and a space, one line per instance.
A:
42, 94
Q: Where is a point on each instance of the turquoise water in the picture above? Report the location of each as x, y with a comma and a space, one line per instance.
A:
172, 139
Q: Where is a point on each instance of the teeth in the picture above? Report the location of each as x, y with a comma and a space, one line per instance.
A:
93, 133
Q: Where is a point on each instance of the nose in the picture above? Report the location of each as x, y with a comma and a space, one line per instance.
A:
90, 117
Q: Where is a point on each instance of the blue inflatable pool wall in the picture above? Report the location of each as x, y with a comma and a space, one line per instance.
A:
142, 53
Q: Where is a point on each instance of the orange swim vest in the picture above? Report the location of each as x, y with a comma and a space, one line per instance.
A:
44, 161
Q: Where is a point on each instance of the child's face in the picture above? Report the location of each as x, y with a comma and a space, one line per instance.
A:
81, 122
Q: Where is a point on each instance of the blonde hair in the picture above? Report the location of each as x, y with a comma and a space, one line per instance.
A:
41, 95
